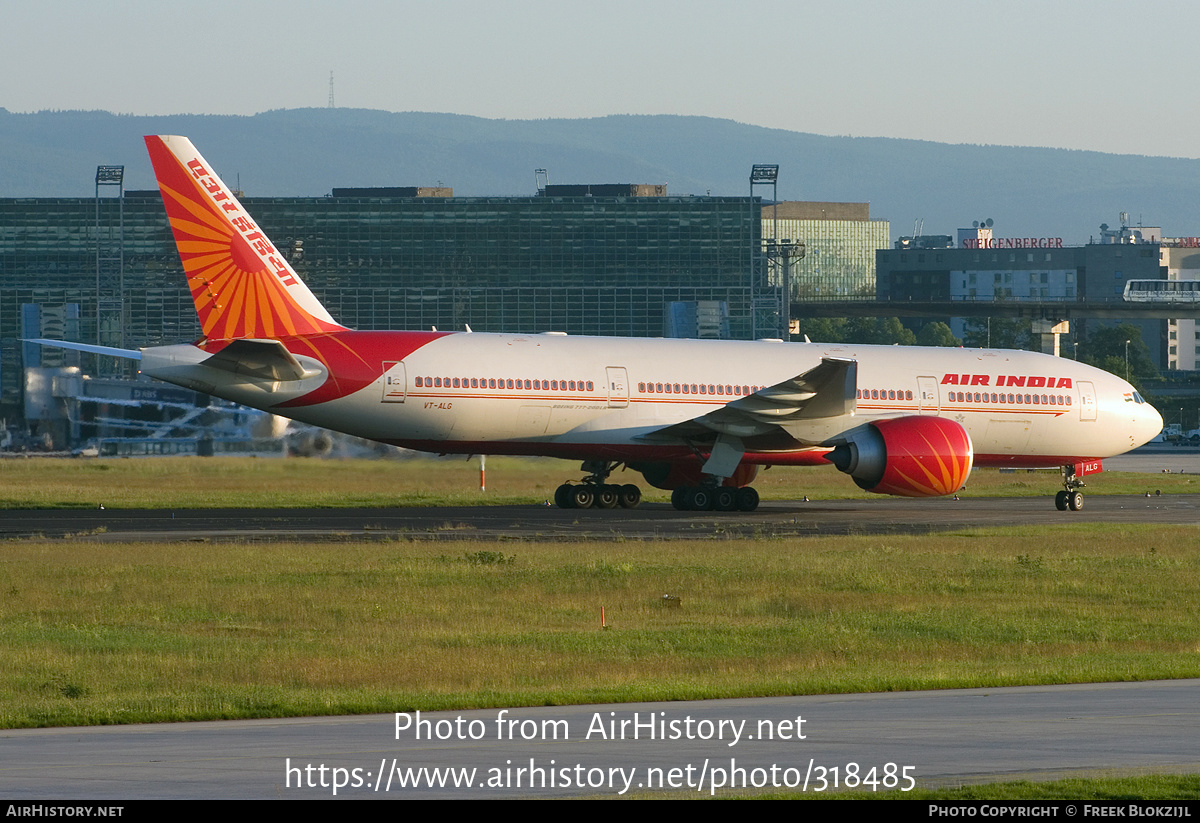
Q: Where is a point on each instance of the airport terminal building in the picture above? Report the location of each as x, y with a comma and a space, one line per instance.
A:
979, 266
584, 265
569, 259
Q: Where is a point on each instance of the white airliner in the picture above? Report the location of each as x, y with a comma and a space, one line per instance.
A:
697, 417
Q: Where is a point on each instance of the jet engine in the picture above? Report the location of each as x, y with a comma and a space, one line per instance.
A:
908, 456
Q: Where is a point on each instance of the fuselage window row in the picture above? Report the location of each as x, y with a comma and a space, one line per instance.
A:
1014, 399
697, 388
884, 394
502, 383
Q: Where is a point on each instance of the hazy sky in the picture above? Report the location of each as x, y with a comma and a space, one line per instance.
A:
1110, 76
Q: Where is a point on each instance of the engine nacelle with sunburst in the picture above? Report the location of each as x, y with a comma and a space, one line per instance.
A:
908, 456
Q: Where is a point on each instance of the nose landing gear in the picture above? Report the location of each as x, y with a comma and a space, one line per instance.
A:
1070, 497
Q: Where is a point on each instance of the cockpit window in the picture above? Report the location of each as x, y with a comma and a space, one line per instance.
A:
1137, 398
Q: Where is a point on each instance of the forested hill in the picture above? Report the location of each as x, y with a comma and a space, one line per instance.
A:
1029, 192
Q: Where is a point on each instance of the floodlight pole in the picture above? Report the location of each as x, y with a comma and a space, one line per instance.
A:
765, 174
110, 267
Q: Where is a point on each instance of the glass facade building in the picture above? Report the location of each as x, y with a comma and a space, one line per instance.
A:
840, 244
583, 265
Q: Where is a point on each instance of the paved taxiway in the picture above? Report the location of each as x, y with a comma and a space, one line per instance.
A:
649, 521
947, 737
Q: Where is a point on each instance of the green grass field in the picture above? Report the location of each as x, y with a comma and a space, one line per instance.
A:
110, 633
218, 482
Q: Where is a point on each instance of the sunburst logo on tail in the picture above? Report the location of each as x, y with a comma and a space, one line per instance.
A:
241, 285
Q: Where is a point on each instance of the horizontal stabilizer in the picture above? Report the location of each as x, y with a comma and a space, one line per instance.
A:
264, 359
128, 354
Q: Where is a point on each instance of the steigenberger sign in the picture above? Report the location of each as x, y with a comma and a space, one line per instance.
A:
1012, 243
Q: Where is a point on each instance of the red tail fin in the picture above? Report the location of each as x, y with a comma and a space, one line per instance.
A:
242, 286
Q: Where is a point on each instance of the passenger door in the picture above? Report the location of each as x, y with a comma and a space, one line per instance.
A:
1087, 400
927, 395
395, 382
618, 387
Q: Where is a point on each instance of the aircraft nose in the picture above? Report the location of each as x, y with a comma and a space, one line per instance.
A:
1148, 423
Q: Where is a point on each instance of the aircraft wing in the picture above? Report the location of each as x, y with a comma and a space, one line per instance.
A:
790, 407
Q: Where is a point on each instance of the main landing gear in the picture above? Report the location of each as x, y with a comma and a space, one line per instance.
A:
714, 498
724, 461
594, 492
1070, 497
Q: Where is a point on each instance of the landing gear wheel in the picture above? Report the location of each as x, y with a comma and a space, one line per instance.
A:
607, 497
747, 499
699, 499
679, 499
582, 497
562, 497
725, 499
1060, 501
1075, 501
630, 495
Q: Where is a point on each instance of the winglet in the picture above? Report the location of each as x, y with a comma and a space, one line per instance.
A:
241, 285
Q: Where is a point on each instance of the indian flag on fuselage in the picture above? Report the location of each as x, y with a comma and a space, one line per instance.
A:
241, 285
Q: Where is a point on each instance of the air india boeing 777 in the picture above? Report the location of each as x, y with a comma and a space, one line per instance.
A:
698, 417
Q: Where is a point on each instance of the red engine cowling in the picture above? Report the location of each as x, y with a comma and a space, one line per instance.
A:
685, 473
909, 456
